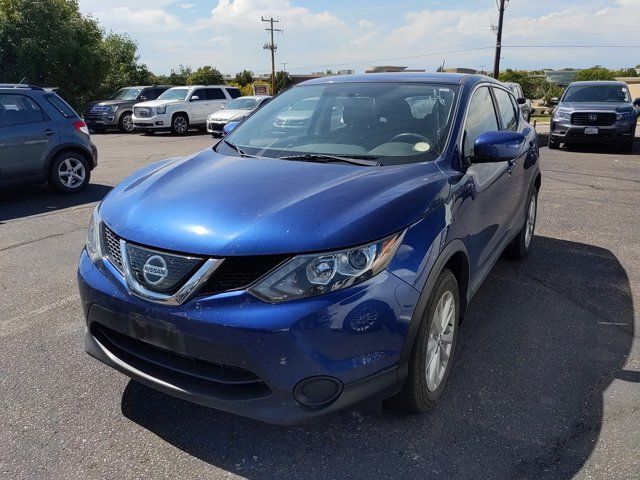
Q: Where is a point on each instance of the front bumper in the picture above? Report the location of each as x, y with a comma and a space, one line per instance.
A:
104, 120
564, 131
156, 122
216, 127
268, 348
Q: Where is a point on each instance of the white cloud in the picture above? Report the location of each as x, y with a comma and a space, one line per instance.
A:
186, 6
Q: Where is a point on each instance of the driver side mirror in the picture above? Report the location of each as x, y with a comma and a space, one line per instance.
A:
498, 146
554, 101
194, 98
522, 101
229, 127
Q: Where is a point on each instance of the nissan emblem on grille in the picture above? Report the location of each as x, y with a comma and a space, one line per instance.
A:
155, 270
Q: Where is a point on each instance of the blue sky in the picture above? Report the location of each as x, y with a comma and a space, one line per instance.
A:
354, 34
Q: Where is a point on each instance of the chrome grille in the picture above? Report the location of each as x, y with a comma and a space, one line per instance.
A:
112, 242
160, 271
142, 112
603, 119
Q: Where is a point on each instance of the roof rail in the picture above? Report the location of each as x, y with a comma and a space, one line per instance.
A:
21, 85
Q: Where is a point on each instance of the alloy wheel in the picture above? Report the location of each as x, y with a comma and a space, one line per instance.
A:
127, 123
180, 124
440, 340
72, 173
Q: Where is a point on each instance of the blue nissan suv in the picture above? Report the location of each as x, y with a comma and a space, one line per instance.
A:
286, 275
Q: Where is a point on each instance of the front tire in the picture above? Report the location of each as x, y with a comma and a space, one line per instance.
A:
520, 246
553, 143
432, 354
125, 124
179, 124
69, 173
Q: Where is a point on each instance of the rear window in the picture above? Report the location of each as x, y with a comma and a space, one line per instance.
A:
234, 92
61, 106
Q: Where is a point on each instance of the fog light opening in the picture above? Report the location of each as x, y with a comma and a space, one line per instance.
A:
317, 391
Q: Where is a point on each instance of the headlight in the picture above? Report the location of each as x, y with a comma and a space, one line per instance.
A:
114, 108
315, 274
561, 114
626, 116
239, 118
161, 110
94, 238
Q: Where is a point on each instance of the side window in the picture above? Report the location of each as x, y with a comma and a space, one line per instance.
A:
18, 110
200, 93
234, 92
508, 112
215, 94
151, 93
481, 118
61, 106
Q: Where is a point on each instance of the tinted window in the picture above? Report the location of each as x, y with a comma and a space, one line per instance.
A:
596, 93
200, 93
508, 112
151, 93
126, 94
18, 110
481, 118
215, 94
62, 106
234, 92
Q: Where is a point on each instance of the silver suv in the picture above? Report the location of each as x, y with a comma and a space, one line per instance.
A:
42, 139
594, 112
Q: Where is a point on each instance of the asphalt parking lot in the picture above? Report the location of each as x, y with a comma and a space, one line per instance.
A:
546, 383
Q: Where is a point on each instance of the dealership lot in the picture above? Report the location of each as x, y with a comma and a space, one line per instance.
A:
546, 383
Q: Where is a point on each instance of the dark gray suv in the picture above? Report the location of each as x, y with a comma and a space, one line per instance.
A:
42, 139
116, 111
594, 112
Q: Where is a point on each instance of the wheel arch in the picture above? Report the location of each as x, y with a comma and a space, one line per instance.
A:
67, 147
180, 112
454, 256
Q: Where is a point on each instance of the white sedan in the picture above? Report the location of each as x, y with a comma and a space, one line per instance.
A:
235, 111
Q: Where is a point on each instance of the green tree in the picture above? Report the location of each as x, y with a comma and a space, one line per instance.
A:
552, 90
176, 78
244, 78
625, 72
531, 87
124, 67
205, 76
283, 80
49, 42
595, 73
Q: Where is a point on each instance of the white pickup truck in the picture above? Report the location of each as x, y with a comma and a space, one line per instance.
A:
181, 108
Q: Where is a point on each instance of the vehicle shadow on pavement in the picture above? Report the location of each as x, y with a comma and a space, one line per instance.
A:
541, 343
33, 200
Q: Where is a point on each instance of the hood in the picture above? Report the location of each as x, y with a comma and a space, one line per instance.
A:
109, 103
596, 106
229, 114
210, 204
158, 103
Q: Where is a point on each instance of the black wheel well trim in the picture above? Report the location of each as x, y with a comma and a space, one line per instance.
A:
454, 256
180, 113
68, 147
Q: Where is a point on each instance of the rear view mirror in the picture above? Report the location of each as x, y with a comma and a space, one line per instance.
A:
499, 146
228, 128
554, 100
522, 101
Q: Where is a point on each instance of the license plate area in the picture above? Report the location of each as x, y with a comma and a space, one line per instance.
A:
591, 130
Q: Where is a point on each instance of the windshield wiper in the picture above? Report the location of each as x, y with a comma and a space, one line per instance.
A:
238, 149
364, 160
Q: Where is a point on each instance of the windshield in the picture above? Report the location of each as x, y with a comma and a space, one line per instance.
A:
242, 104
597, 93
395, 123
126, 94
174, 94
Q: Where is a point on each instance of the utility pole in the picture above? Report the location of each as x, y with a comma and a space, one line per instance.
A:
496, 62
272, 46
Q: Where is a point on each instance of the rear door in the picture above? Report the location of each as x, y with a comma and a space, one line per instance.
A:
217, 99
27, 135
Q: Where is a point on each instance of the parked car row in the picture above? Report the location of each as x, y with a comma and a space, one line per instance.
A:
163, 108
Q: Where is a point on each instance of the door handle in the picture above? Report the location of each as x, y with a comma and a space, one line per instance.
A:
48, 132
